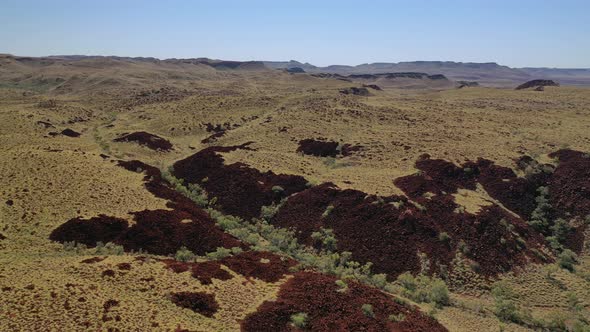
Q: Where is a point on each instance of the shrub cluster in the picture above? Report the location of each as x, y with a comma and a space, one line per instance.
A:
422, 288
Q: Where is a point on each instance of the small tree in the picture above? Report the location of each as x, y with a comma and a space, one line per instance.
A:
504, 307
567, 259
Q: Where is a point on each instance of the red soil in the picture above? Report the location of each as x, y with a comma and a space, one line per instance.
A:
326, 148
163, 232
252, 264
318, 148
159, 232
261, 265
202, 303
149, 140
375, 231
436, 176
97, 229
515, 193
205, 272
240, 190
328, 309
569, 186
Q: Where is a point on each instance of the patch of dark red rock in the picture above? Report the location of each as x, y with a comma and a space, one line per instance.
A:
239, 189
390, 231
265, 266
322, 148
70, 133
569, 185
202, 303
93, 260
362, 91
261, 265
205, 272
146, 139
159, 232
536, 83
372, 86
330, 309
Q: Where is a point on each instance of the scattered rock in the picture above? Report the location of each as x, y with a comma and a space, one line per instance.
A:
202, 303
70, 133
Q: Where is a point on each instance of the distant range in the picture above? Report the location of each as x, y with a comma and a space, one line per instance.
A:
489, 73
66, 72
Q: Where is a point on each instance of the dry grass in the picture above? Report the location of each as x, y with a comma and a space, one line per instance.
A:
53, 179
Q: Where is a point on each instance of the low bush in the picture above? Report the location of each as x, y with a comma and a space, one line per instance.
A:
324, 239
423, 288
567, 259
368, 310
184, 255
504, 306
299, 319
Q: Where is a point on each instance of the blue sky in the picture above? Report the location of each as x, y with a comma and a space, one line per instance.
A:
516, 33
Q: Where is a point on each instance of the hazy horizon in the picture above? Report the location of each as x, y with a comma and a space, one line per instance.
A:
522, 34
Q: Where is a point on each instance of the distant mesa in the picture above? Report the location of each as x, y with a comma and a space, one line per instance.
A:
355, 91
414, 75
294, 70
146, 139
537, 83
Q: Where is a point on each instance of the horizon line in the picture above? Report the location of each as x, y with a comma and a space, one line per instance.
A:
286, 61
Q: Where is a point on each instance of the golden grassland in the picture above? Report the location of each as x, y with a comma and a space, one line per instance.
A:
52, 179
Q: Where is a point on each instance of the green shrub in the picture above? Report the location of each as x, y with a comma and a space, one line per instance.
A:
184, 255
74, 246
424, 289
439, 293
567, 259
379, 280
269, 211
220, 253
397, 318
109, 249
343, 286
560, 230
299, 319
504, 306
463, 248
368, 310
277, 189
444, 237
325, 239
328, 210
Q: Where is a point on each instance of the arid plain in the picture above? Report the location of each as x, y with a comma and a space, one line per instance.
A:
152, 159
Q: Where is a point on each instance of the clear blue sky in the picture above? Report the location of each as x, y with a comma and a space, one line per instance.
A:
515, 32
